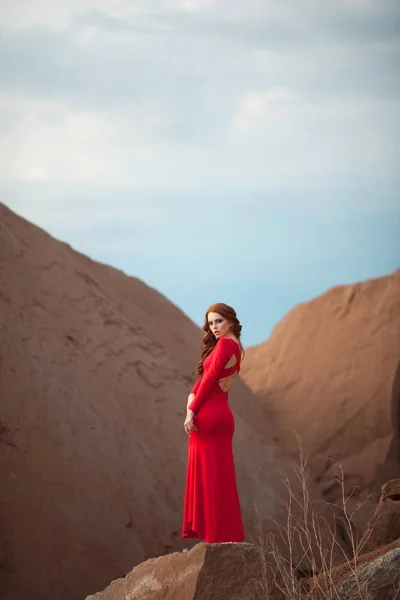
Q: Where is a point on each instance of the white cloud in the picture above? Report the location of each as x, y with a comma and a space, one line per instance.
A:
195, 96
55, 14
53, 142
255, 109
188, 5
84, 126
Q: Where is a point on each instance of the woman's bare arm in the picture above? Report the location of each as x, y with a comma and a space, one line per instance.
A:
191, 397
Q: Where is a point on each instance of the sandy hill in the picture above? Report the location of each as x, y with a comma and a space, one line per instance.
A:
95, 370
328, 374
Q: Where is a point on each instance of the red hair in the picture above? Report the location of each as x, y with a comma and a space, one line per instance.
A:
209, 341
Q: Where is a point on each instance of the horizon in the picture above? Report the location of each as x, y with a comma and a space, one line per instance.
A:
199, 321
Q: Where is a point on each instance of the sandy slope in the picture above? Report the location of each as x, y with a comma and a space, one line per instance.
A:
327, 374
95, 371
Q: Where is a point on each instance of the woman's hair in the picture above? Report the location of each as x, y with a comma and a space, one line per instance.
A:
209, 340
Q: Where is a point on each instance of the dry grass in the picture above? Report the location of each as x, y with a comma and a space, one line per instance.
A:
305, 544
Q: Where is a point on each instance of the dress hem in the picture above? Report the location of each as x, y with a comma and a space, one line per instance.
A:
194, 535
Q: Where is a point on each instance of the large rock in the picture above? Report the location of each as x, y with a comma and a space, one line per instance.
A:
207, 572
95, 371
327, 377
236, 571
384, 527
373, 576
373, 572
378, 579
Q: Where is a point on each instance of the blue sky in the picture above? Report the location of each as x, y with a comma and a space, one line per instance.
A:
243, 152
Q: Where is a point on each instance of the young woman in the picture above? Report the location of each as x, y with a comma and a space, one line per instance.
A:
211, 505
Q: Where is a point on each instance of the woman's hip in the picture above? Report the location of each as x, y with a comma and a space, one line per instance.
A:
215, 417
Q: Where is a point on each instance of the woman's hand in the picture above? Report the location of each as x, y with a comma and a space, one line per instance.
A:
189, 424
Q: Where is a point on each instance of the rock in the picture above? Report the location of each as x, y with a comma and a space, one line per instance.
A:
377, 579
372, 576
207, 571
384, 527
236, 571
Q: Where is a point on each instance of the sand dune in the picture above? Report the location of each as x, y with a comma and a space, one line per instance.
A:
95, 371
327, 374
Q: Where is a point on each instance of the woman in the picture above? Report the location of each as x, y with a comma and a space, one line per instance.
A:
211, 506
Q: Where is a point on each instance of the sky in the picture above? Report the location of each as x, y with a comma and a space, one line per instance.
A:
221, 151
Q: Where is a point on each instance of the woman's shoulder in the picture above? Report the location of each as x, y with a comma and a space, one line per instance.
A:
229, 341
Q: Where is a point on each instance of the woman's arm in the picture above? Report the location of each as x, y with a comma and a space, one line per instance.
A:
193, 392
195, 387
191, 397
220, 356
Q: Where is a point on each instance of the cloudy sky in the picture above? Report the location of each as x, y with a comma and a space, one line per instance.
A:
221, 150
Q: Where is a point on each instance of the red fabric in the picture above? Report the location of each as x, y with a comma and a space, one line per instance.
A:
211, 506
195, 387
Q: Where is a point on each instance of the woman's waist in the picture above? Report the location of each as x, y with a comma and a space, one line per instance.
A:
215, 402
218, 395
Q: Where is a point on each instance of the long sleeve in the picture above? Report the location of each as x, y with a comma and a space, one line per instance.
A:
220, 356
195, 387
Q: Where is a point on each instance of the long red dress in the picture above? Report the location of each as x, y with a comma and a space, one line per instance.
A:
211, 505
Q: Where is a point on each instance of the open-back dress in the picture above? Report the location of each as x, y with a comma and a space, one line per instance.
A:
211, 504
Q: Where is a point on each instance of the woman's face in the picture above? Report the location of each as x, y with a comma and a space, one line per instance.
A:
218, 325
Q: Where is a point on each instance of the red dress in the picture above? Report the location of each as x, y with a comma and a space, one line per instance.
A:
211, 505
